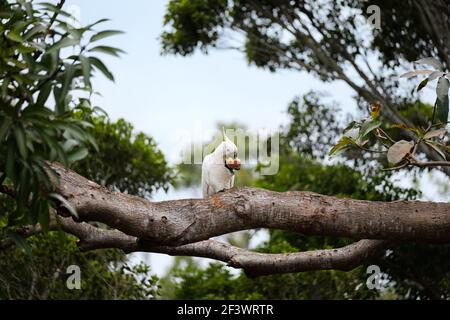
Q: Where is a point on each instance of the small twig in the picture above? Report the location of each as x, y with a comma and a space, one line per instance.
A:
434, 112
387, 136
52, 20
416, 145
396, 168
431, 164
370, 150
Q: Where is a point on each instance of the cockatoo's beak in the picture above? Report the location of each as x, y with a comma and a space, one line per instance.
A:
233, 164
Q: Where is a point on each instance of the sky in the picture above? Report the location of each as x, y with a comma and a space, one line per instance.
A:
165, 95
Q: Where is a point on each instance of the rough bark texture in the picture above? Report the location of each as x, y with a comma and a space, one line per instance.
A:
254, 263
180, 222
184, 227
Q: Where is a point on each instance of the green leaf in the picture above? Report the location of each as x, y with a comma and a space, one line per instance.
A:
436, 148
44, 216
442, 99
21, 25
4, 88
35, 30
442, 88
65, 203
78, 154
104, 34
74, 131
44, 220
70, 144
20, 241
442, 110
14, 36
422, 84
67, 83
28, 8
108, 50
10, 160
350, 126
97, 22
54, 8
20, 140
368, 126
44, 94
101, 66
55, 147
86, 68
64, 42
342, 144
4, 127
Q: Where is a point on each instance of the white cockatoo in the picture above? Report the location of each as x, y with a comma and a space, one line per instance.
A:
218, 168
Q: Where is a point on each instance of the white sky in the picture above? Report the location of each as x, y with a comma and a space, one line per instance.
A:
163, 95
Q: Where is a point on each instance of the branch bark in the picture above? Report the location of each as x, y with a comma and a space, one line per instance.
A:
178, 222
184, 227
253, 263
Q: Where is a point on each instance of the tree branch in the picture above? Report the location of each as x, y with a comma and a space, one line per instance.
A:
185, 221
184, 227
253, 263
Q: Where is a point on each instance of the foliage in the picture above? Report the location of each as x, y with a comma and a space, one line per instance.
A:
128, 161
216, 282
42, 275
308, 119
269, 27
403, 152
404, 35
45, 61
193, 21
38, 272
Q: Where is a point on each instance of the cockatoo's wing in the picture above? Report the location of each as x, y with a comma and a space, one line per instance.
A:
205, 188
205, 177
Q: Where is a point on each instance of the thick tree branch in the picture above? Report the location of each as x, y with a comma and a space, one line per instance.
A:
184, 227
257, 264
254, 263
185, 221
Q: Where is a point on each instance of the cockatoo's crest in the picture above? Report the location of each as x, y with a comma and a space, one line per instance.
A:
225, 138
